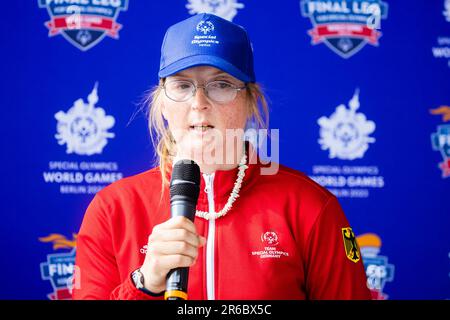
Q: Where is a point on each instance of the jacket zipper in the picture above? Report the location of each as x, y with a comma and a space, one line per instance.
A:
209, 189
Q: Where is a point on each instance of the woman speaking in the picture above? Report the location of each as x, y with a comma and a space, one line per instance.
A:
259, 232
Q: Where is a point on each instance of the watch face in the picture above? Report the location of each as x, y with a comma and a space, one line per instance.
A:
137, 279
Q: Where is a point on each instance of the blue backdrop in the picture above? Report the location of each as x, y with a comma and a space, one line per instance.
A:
359, 91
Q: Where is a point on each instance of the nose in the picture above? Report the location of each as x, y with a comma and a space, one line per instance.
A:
200, 100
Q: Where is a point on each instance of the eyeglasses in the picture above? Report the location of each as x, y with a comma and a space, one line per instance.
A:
217, 91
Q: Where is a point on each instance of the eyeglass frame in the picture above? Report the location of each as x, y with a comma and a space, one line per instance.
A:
196, 86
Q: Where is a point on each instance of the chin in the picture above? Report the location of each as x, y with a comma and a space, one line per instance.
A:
207, 152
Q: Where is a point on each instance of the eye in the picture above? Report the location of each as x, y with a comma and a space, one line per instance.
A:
180, 85
183, 85
223, 85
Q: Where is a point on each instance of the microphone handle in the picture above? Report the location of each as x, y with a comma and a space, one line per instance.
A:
177, 279
183, 208
176, 285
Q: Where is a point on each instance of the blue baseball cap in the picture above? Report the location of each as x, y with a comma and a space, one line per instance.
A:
206, 39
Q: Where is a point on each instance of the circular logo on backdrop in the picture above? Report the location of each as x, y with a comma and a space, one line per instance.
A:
441, 49
346, 132
84, 128
446, 12
226, 9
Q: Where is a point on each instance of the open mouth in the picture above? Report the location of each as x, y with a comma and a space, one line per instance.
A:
201, 128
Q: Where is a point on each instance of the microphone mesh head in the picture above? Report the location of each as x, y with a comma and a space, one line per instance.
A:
185, 180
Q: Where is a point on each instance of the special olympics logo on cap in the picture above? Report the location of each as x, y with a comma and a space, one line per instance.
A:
205, 27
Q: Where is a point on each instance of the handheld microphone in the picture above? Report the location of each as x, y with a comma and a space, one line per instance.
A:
184, 191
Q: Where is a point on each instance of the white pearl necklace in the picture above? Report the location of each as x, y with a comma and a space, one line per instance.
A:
234, 194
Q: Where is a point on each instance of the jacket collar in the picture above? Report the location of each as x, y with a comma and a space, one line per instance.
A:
224, 181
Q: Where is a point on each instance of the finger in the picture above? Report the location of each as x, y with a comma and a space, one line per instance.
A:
177, 223
174, 248
183, 223
180, 235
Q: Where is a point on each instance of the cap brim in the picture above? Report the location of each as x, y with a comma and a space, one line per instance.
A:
204, 60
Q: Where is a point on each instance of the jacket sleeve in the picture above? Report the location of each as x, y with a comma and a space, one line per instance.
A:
97, 274
334, 267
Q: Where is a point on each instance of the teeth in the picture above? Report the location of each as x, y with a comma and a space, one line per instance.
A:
201, 128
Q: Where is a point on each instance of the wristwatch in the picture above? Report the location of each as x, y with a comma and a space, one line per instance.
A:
138, 280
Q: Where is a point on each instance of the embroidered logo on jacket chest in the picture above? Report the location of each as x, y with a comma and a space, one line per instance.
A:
144, 249
270, 249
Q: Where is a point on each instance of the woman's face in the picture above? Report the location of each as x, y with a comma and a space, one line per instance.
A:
202, 126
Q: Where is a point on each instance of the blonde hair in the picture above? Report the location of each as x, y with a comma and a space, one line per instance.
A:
162, 139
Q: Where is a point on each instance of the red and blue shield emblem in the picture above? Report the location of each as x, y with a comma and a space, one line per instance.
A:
86, 23
345, 26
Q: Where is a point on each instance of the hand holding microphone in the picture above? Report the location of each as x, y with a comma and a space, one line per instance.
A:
173, 245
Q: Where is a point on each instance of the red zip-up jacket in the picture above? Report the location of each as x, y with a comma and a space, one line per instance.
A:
285, 237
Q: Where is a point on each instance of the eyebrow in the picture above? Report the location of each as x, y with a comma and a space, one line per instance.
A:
223, 75
214, 77
216, 74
